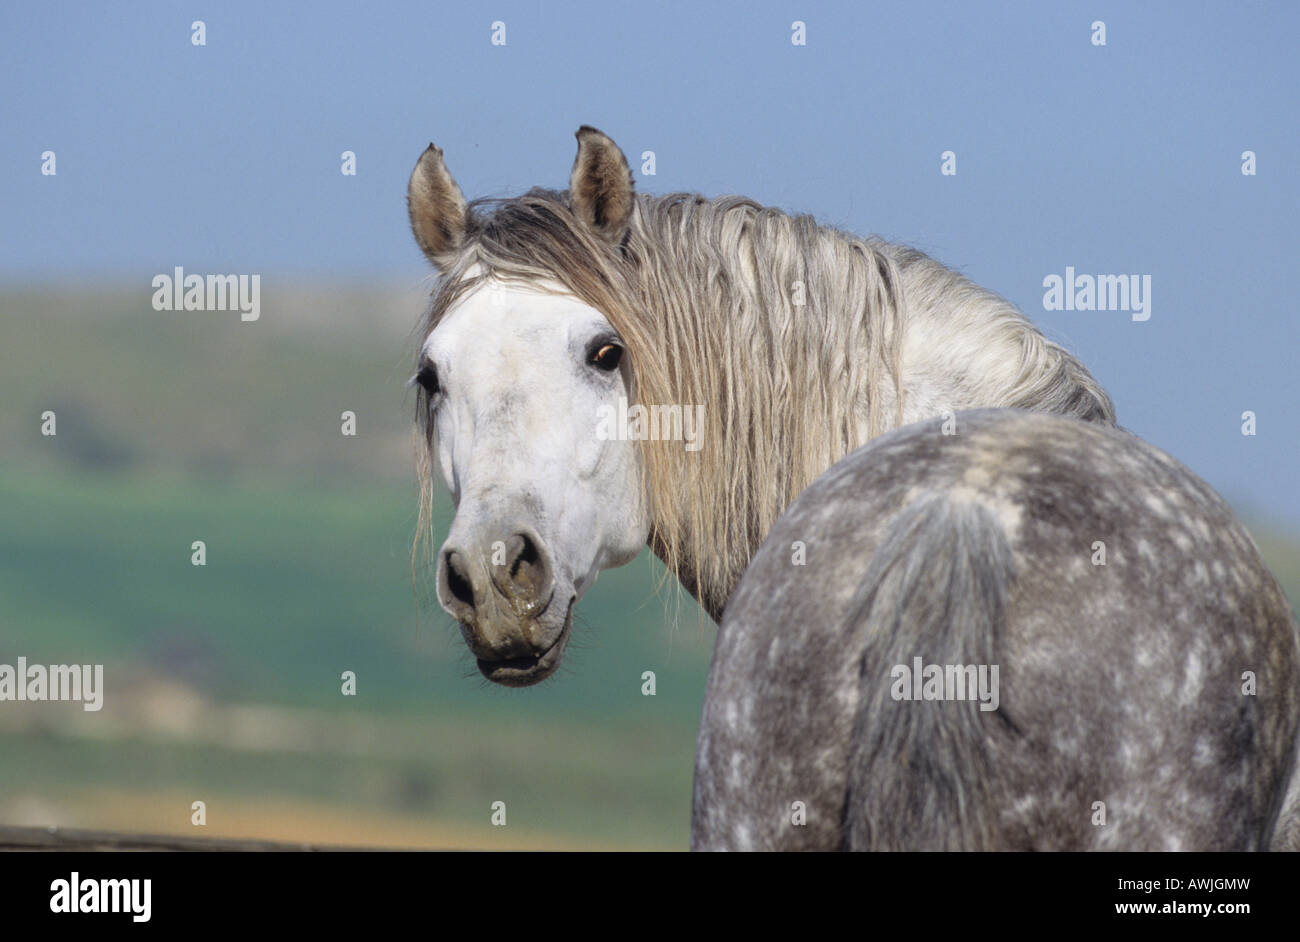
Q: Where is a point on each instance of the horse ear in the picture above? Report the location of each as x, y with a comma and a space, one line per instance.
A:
437, 207
600, 187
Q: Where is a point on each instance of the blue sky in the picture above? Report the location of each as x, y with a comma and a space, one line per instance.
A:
1119, 159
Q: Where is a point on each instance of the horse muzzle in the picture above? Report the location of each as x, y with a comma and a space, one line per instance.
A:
503, 593
529, 668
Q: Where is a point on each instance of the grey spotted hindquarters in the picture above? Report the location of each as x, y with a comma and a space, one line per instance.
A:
1123, 721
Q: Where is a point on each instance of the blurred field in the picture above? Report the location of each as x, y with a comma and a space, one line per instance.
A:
223, 681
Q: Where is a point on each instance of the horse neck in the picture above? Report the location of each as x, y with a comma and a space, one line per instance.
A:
956, 346
965, 347
959, 350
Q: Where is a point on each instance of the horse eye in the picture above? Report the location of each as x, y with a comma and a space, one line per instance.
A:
606, 357
428, 379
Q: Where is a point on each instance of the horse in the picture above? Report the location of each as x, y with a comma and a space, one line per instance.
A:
571, 335
1003, 631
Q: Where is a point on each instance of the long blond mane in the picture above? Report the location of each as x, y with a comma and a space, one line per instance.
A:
790, 335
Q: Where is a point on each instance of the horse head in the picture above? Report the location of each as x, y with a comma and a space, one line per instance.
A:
513, 377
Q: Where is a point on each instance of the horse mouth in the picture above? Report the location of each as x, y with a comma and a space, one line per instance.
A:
534, 668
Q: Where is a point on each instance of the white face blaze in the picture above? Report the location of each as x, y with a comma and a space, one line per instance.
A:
517, 409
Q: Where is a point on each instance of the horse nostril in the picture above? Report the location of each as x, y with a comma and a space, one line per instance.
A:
525, 568
525, 578
457, 583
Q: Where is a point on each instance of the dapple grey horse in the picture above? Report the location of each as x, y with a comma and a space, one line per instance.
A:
1006, 631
